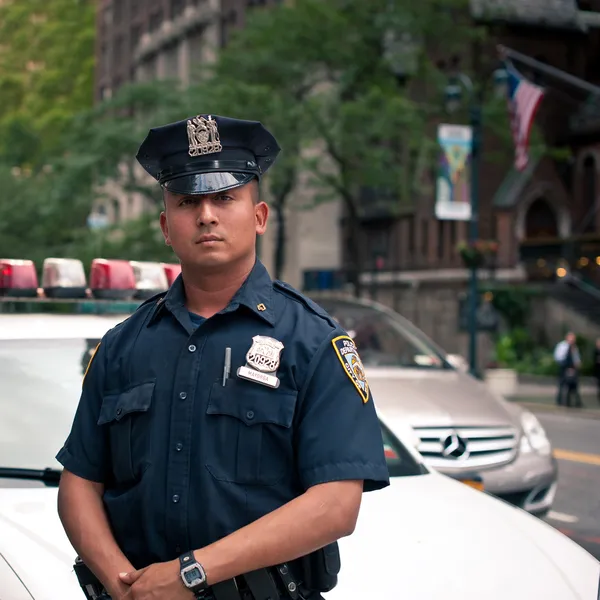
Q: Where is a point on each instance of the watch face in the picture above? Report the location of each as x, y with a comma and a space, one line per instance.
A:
193, 576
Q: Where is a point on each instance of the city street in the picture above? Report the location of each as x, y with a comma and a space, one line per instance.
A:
576, 442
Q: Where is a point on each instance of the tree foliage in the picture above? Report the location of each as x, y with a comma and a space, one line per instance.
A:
349, 88
46, 73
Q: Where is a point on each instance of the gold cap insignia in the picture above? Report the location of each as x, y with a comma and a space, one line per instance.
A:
261, 307
203, 136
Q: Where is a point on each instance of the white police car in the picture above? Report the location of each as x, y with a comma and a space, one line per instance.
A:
426, 536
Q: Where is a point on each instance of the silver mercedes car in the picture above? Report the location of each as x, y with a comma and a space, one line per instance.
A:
460, 427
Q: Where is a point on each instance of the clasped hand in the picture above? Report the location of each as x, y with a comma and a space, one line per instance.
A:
155, 582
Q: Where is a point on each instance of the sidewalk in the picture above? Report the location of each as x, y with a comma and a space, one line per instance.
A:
542, 396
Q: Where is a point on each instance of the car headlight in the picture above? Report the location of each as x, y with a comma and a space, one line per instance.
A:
534, 438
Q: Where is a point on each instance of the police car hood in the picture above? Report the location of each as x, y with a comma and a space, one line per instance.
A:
431, 537
425, 537
35, 546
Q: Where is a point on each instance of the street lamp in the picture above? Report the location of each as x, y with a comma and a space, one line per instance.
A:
475, 97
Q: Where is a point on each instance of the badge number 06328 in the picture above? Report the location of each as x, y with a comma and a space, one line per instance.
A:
347, 352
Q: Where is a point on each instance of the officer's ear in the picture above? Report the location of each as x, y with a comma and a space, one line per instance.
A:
261, 215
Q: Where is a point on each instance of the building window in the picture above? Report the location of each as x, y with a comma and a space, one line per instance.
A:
589, 195
118, 12
379, 246
424, 238
116, 211
410, 221
107, 16
136, 35
177, 8
119, 54
156, 20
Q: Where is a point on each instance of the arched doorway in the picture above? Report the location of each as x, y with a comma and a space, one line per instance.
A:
540, 245
540, 220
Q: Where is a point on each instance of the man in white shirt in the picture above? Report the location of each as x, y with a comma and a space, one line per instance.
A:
566, 354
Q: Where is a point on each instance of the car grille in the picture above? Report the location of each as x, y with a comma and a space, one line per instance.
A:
467, 447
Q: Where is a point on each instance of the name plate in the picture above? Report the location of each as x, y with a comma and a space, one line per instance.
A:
262, 378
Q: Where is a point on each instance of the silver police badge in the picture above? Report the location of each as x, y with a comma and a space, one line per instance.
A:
262, 361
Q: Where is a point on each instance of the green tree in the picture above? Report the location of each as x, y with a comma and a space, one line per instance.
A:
46, 73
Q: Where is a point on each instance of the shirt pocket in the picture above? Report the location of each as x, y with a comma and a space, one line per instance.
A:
250, 438
125, 414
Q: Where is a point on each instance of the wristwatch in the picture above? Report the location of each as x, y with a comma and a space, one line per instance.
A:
192, 574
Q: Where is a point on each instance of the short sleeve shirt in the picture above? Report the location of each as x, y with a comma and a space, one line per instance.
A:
190, 448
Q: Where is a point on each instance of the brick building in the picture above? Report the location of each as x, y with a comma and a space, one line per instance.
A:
139, 40
534, 214
545, 218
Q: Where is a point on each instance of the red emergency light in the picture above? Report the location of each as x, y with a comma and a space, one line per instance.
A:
18, 278
172, 271
112, 279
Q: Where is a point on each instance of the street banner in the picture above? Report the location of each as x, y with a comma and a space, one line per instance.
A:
453, 189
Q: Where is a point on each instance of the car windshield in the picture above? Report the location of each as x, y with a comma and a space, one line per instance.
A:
400, 461
41, 382
383, 340
41, 385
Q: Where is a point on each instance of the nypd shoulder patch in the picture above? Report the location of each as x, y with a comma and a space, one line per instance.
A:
347, 353
92, 355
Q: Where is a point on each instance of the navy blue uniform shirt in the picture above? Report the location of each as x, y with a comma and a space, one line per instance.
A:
185, 460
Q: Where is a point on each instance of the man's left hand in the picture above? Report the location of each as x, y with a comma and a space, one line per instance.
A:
156, 582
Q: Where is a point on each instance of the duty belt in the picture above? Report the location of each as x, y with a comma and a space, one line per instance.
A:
263, 584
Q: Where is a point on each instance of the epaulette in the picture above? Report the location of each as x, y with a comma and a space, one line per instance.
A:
311, 305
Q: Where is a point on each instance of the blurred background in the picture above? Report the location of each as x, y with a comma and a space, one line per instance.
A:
368, 195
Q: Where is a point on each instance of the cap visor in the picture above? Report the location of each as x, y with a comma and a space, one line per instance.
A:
207, 183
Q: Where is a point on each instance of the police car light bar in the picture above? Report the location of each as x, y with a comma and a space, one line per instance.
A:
112, 279
150, 278
18, 278
64, 278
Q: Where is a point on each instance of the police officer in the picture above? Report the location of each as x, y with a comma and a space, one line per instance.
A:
227, 425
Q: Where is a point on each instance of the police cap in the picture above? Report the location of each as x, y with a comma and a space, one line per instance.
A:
207, 154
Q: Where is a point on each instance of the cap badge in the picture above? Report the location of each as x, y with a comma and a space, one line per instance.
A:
203, 136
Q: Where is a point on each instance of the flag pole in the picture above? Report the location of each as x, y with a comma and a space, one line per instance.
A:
548, 70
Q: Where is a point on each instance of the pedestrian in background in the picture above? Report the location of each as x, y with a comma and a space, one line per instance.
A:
568, 358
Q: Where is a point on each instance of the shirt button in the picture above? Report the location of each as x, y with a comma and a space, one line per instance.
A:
175, 498
250, 414
119, 411
192, 348
182, 395
179, 447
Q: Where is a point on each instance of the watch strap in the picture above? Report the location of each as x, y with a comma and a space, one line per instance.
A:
187, 559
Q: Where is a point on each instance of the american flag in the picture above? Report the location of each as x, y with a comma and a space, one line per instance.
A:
524, 98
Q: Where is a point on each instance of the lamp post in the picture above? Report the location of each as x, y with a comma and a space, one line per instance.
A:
453, 95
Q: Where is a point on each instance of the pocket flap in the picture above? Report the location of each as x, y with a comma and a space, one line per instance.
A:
253, 404
116, 406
